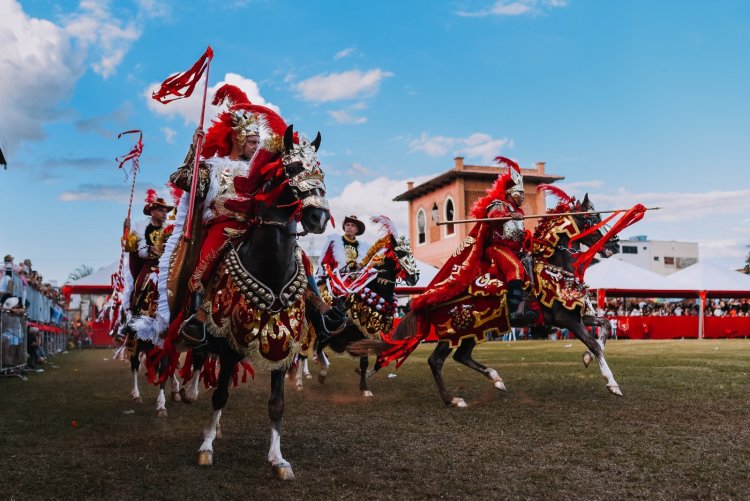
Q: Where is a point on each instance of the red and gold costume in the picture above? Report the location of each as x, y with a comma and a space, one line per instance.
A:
217, 173
145, 245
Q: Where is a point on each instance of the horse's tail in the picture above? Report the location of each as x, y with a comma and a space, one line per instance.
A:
399, 344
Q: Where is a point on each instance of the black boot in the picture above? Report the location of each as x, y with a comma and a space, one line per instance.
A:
193, 331
517, 312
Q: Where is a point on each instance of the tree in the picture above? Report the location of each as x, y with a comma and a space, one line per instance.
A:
80, 272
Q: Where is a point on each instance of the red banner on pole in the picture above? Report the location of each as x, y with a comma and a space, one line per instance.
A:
181, 85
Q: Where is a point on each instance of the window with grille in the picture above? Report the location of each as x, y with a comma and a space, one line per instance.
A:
421, 227
449, 216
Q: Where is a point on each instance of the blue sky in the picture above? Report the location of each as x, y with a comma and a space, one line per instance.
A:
635, 101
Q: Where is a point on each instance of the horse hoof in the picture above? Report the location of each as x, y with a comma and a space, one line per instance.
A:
205, 458
367, 394
321, 378
299, 387
587, 358
161, 413
500, 385
308, 376
184, 398
138, 400
176, 396
283, 471
615, 390
219, 434
459, 403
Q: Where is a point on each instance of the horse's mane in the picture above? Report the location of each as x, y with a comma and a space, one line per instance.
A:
389, 234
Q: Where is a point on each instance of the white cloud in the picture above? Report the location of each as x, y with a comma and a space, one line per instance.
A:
190, 109
357, 168
352, 84
39, 68
107, 38
109, 192
343, 53
515, 8
344, 117
477, 145
41, 61
169, 134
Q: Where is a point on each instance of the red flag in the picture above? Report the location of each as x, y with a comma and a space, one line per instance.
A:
133, 154
181, 85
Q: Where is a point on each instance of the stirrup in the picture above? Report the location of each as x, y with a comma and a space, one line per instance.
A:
190, 340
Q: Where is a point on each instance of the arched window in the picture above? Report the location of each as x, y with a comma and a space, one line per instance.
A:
421, 227
450, 215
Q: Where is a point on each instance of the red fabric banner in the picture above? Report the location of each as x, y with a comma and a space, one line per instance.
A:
182, 85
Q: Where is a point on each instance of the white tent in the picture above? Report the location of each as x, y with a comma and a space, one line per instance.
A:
711, 278
101, 277
616, 275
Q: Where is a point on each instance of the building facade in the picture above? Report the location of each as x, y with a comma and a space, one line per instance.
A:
450, 196
659, 256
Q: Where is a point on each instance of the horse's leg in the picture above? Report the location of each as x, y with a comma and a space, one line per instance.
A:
282, 470
575, 325
463, 355
371, 372
306, 368
363, 362
189, 393
135, 364
228, 360
436, 360
604, 331
323, 365
297, 371
174, 386
161, 401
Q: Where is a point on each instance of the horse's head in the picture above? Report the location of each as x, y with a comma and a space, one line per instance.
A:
298, 191
407, 266
586, 222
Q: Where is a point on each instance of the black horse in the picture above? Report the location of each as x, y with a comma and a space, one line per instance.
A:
265, 274
560, 262
370, 310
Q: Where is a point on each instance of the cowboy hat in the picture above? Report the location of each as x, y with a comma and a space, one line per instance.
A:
159, 202
359, 224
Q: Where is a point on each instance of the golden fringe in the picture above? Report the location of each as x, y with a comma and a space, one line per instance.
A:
210, 259
381, 243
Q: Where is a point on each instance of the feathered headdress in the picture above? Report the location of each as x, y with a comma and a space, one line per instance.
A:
505, 183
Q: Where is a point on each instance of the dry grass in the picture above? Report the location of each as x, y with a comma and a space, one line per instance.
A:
681, 431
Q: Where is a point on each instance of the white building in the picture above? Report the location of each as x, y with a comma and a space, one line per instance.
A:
659, 256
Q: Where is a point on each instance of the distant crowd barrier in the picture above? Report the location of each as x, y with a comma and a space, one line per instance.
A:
682, 327
13, 344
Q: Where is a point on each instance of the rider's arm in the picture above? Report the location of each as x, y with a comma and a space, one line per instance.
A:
183, 176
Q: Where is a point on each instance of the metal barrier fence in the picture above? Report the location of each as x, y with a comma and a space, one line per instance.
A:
13, 354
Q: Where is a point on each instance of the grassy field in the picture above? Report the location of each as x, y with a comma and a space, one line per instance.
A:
682, 430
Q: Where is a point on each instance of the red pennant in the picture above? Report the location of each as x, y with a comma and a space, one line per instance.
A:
182, 85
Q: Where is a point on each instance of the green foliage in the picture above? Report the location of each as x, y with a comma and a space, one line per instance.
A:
80, 272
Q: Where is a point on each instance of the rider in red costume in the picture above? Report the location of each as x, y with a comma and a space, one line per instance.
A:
507, 238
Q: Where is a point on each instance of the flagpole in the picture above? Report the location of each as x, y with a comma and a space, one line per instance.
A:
533, 216
187, 234
134, 156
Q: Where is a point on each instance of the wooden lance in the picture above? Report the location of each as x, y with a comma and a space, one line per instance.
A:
531, 216
187, 234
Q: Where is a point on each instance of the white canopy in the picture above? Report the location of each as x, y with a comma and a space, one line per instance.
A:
102, 277
613, 274
707, 276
